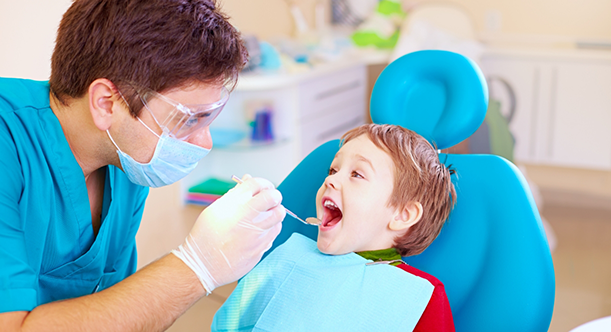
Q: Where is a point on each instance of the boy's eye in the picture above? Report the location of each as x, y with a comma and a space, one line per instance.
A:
357, 175
332, 171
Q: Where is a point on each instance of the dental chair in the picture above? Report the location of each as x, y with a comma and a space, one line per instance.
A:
492, 254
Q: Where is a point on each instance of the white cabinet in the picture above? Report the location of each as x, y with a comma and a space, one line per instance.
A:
309, 109
331, 105
581, 115
563, 106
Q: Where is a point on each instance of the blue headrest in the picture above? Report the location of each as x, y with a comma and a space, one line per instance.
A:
441, 95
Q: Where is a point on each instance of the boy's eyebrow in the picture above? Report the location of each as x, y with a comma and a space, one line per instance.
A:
361, 158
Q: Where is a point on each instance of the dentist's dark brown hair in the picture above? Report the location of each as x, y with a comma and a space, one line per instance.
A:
157, 44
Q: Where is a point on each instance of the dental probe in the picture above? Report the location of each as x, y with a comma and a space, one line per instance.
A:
311, 221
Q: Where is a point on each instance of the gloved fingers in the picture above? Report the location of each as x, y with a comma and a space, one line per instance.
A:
260, 217
265, 220
273, 233
271, 218
263, 243
244, 178
267, 239
265, 200
279, 213
254, 185
251, 224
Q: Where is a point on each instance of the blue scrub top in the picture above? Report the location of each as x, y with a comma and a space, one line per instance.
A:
48, 251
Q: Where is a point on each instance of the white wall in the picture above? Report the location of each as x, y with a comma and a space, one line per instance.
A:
562, 18
27, 36
28, 27
583, 18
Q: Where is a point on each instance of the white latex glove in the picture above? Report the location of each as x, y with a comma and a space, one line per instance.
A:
231, 235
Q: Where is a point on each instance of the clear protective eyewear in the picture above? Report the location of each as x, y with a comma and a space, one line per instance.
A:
178, 120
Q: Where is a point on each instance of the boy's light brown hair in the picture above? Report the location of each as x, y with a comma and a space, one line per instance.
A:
155, 44
419, 176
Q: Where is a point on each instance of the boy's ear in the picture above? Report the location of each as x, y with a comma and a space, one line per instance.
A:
102, 102
406, 217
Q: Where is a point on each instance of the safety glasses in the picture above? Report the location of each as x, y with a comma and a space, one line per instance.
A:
178, 120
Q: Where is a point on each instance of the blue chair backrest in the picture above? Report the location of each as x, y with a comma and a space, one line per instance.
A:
492, 254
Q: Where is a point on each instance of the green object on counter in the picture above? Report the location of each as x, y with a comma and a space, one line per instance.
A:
389, 7
212, 186
367, 38
381, 29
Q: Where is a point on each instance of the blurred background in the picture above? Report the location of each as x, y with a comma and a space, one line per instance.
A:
313, 64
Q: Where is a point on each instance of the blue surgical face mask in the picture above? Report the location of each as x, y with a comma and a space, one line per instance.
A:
173, 160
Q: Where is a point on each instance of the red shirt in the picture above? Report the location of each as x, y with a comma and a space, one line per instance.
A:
437, 316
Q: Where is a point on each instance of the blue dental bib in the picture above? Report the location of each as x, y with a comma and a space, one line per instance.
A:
298, 288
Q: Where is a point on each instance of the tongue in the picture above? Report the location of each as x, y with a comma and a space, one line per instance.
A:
332, 216
334, 221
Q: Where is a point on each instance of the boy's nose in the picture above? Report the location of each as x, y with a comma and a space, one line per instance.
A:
332, 182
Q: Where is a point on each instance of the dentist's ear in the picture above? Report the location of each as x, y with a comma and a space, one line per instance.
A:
102, 102
406, 217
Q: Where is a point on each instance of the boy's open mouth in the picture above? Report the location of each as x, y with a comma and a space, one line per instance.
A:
332, 215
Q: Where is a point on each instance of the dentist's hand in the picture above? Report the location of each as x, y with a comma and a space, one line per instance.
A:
231, 235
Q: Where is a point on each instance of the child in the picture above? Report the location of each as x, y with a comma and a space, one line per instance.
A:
387, 195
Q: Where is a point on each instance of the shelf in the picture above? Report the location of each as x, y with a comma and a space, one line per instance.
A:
269, 81
247, 144
233, 139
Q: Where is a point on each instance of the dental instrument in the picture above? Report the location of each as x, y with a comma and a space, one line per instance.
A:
310, 220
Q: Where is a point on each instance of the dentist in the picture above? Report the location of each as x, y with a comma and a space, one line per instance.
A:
134, 87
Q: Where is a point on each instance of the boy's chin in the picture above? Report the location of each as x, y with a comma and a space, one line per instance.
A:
327, 248
324, 246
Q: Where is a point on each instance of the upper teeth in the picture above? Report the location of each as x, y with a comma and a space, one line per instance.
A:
329, 203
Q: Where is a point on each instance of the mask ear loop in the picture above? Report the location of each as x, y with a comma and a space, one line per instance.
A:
144, 124
145, 105
147, 127
112, 140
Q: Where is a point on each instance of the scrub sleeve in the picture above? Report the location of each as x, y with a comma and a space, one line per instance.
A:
48, 251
